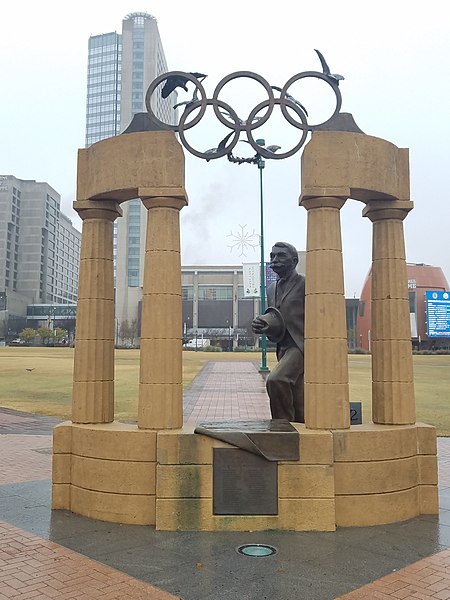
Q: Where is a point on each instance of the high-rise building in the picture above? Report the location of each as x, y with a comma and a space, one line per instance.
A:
103, 87
67, 258
39, 247
120, 69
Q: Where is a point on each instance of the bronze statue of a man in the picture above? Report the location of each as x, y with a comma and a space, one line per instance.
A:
283, 323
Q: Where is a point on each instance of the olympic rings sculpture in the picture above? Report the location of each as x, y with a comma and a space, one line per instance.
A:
228, 116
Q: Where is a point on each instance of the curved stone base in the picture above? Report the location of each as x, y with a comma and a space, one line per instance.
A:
385, 474
366, 475
105, 472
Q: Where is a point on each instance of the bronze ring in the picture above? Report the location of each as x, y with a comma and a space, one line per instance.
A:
227, 149
304, 75
201, 103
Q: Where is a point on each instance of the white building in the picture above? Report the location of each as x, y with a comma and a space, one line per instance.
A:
39, 248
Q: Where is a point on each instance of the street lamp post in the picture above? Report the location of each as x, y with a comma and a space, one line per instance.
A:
230, 346
261, 163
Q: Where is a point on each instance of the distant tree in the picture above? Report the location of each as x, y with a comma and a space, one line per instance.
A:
45, 333
28, 334
3, 327
69, 326
133, 331
127, 332
60, 334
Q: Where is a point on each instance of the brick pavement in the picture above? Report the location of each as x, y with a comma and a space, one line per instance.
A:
25, 457
33, 568
427, 579
13, 421
227, 390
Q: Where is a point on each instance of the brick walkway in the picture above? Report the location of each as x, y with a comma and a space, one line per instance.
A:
427, 579
227, 390
33, 568
31, 452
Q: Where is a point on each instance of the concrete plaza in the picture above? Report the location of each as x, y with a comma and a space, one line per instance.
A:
45, 554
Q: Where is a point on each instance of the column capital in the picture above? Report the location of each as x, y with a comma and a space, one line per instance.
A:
97, 209
378, 210
323, 202
177, 202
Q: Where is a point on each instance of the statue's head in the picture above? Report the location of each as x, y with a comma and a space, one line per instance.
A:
283, 258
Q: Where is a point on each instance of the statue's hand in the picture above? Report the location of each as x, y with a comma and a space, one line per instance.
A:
259, 326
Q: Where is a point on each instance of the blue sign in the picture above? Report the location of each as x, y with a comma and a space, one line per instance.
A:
438, 313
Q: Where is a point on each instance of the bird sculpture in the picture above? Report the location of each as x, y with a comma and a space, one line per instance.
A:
273, 148
187, 103
220, 147
291, 98
174, 81
326, 69
253, 159
240, 121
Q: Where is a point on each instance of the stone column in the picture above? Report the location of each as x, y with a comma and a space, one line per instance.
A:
93, 378
326, 365
392, 369
160, 385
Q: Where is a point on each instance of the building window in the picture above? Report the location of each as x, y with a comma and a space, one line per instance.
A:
187, 292
215, 293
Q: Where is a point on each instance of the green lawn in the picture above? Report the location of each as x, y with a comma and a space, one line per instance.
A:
47, 388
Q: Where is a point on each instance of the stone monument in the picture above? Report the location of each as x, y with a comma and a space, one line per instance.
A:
159, 472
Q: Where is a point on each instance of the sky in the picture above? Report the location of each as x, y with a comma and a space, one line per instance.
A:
394, 58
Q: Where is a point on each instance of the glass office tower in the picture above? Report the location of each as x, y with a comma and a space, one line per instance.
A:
120, 70
103, 87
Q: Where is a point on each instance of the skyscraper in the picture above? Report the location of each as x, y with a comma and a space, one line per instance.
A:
120, 70
103, 87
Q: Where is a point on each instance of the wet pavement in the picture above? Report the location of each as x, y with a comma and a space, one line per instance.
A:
56, 554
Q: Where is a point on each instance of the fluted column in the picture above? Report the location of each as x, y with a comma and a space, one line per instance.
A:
93, 377
160, 384
326, 364
392, 369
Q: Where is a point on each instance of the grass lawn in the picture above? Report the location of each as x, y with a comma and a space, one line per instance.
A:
47, 388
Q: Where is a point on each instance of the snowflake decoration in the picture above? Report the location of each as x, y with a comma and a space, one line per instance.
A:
243, 240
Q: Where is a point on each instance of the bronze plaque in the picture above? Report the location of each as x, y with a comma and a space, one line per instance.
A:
274, 439
244, 483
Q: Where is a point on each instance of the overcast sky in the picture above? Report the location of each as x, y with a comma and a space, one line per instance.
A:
394, 57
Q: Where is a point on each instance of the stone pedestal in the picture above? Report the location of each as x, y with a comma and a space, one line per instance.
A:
160, 472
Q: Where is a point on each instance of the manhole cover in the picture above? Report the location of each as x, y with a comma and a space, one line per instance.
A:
257, 550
